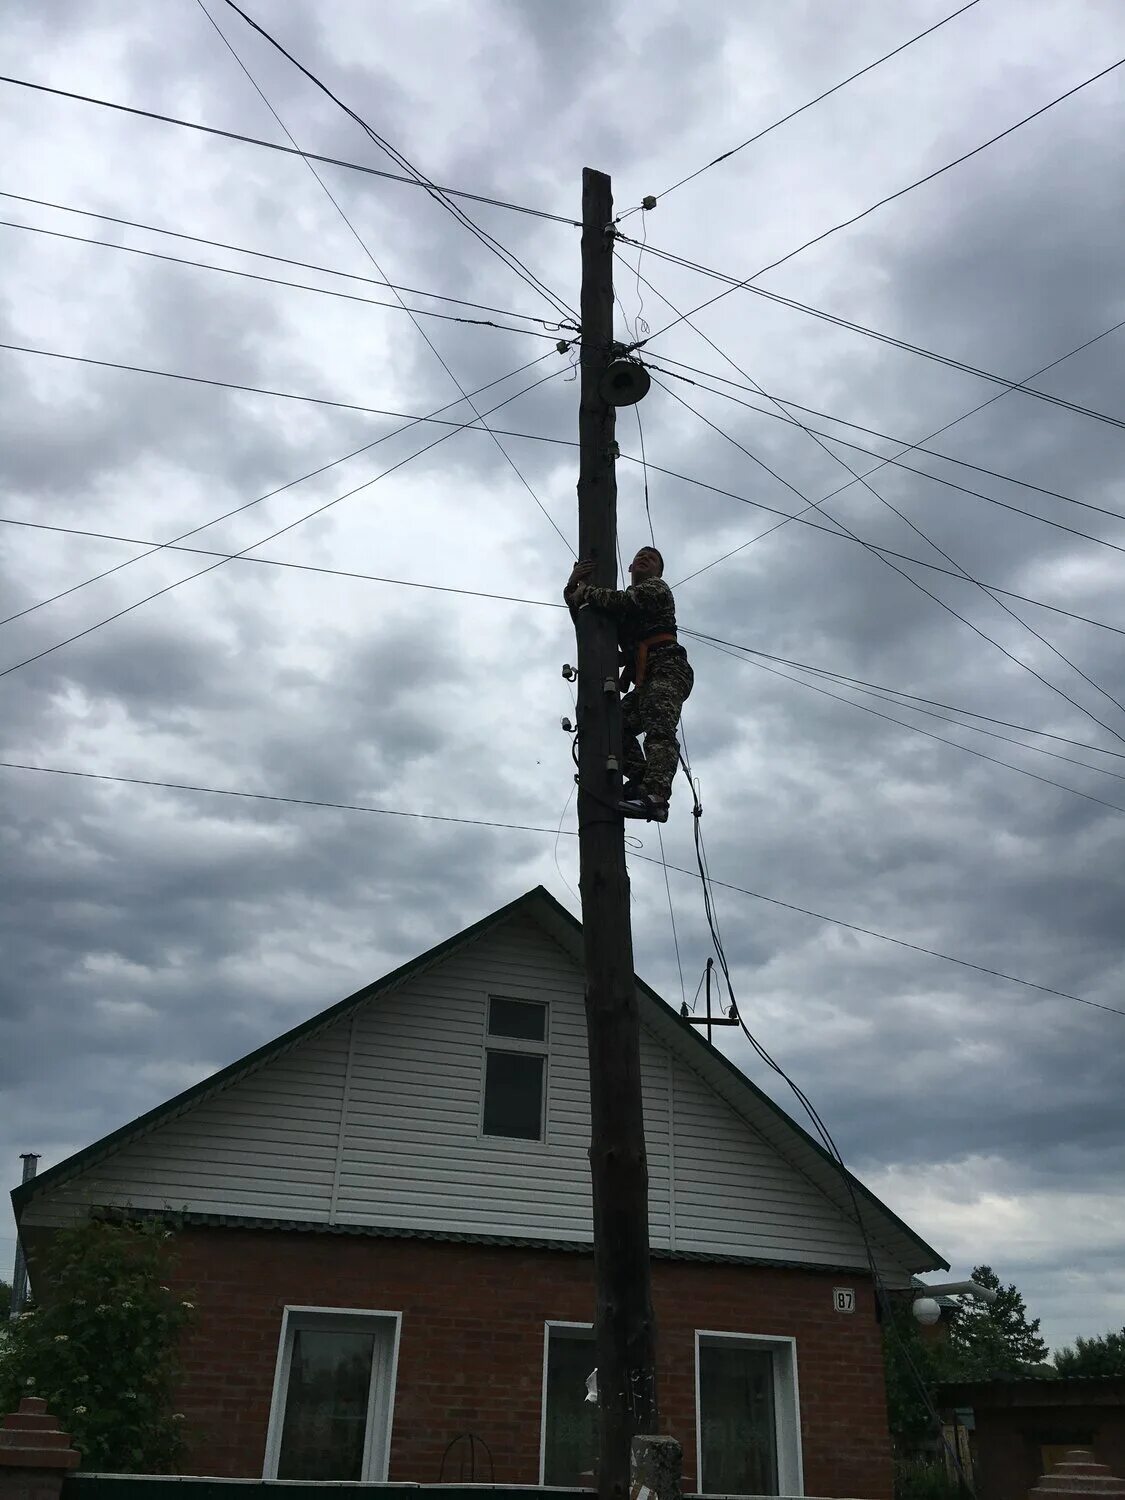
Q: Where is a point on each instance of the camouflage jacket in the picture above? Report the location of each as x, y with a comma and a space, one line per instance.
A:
642, 610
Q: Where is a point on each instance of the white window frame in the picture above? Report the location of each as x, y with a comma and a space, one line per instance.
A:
786, 1405
384, 1380
541, 1049
547, 1326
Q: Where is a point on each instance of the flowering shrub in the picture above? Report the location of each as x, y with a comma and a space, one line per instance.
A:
102, 1346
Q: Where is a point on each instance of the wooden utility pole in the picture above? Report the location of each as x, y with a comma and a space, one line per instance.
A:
625, 1329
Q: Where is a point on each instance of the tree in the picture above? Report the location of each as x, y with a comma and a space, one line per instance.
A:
990, 1339
102, 1345
1104, 1355
5, 1300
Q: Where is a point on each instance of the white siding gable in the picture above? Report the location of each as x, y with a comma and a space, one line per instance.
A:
376, 1121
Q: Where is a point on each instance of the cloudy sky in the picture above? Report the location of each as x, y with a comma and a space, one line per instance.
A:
152, 936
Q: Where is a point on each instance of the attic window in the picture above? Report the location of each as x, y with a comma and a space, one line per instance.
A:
515, 1069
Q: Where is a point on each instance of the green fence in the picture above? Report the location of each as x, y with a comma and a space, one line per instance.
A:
177, 1487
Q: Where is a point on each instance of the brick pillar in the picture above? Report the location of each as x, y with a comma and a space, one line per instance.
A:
1078, 1474
34, 1453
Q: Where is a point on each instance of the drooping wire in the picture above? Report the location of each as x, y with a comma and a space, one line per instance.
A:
671, 914
883, 1305
644, 471
558, 836
453, 208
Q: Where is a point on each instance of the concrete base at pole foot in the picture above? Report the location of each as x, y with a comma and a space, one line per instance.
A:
657, 1468
1078, 1474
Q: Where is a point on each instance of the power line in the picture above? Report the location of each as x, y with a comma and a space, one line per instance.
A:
803, 520
885, 937
321, 291
250, 140
284, 260
942, 740
938, 600
268, 562
78, 635
254, 390
218, 791
458, 213
863, 479
648, 859
279, 489
793, 113
862, 684
859, 684
785, 401
894, 342
489, 241
1019, 510
900, 192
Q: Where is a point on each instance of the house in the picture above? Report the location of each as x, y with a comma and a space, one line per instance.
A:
1021, 1426
386, 1230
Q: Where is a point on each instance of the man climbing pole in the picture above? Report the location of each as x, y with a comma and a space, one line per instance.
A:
656, 666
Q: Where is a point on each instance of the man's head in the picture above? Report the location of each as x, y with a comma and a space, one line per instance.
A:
648, 563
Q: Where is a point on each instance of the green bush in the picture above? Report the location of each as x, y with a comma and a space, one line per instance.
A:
101, 1347
923, 1479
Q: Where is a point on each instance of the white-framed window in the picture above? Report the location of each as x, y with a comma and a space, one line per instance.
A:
514, 1091
568, 1439
747, 1415
333, 1395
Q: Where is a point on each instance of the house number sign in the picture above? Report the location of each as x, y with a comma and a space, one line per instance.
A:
843, 1299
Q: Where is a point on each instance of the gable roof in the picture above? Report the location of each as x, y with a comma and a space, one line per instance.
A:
792, 1143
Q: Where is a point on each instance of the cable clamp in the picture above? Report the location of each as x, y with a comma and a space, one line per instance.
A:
569, 672
566, 724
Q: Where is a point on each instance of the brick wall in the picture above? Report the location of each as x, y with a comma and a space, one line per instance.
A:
471, 1354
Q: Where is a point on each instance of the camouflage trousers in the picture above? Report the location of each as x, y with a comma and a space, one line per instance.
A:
653, 710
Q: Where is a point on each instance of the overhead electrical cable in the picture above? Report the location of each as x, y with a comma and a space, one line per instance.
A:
793, 113
884, 338
458, 213
300, 286
261, 542
804, 520
328, 161
881, 553
886, 694
1019, 510
863, 479
940, 738
280, 489
257, 390
899, 193
284, 260
489, 241
861, 684
648, 859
